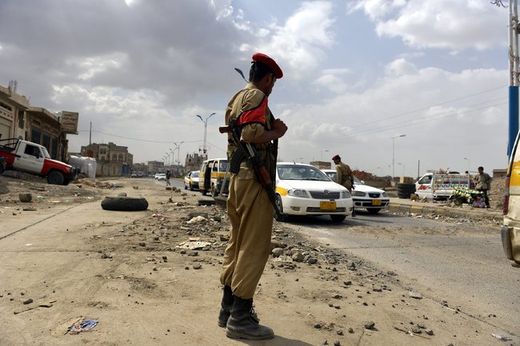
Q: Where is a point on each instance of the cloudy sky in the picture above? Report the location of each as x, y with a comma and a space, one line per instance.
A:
357, 74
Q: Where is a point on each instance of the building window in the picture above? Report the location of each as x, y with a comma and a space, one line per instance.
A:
121, 157
36, 135
21, 119
46, 141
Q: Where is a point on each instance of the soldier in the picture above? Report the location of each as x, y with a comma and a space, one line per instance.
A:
248, 206
344, 174
482, 183
168, 176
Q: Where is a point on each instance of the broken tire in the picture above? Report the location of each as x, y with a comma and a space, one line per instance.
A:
124, 203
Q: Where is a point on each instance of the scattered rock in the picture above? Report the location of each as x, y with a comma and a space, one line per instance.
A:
25, 197
197, 266
28, 301
370, 325
277, 252
297, 257
429, 332
415, 295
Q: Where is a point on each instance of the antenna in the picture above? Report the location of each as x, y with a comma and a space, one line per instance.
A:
241, 74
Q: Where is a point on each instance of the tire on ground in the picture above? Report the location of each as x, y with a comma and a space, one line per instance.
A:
56, 178
405, 190
124, 203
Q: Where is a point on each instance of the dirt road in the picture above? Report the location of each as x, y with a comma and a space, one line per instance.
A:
127, 271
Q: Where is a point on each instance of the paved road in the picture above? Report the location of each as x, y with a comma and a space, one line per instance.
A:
463, 264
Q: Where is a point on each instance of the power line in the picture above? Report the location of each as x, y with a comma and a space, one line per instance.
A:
434, 105
418, 121
137, 139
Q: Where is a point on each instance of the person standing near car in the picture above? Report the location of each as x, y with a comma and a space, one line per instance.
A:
168, 176
344, 174
248, 206
483, 183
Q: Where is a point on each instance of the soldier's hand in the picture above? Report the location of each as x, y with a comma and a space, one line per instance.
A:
279, 126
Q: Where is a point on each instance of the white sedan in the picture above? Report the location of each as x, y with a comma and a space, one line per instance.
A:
305, 190
370, 198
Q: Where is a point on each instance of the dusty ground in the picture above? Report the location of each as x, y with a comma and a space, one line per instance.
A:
128, 271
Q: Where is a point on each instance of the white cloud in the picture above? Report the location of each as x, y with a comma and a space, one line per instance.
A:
445, 115
300, 43
454, 25
333, 80
400, 67
91, 66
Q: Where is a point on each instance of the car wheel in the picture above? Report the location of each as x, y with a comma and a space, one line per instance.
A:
124, 203
282, 217
55, 178
1, 168
338, 218
373, 211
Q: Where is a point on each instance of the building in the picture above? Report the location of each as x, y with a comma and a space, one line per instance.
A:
18, 119
321, 164
193, 162
156, 167
140, 169
12, 112
112, 160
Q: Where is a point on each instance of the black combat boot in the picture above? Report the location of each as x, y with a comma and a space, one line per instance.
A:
225, 307
243, 323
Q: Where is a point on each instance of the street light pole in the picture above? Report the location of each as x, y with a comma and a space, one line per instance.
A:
393, 153
205, 121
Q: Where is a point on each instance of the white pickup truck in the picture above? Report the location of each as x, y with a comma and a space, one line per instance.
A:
440, 185
33, 158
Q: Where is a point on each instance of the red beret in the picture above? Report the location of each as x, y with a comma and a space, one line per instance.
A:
336, 157
265, 59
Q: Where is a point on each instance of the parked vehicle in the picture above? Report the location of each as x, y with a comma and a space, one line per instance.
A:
22, 155
366, 197
191, 180
510, 230
303, 189
440, 185
160, 176
212, 174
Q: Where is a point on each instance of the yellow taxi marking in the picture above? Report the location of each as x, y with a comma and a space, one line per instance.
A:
281, 191
515, 174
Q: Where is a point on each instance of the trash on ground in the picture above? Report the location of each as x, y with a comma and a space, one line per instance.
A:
501, 337
193, 244
81, 325
197, 219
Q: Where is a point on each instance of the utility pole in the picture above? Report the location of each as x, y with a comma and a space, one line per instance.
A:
513, 74
90, 135
393, 153
205, 121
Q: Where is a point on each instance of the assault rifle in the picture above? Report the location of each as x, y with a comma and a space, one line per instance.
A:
245, 151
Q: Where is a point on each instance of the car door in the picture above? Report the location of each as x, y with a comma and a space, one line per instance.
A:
30, 158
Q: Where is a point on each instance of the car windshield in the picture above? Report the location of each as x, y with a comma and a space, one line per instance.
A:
45, 153
296, 172
223, 166
194, 174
